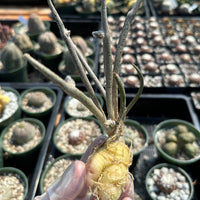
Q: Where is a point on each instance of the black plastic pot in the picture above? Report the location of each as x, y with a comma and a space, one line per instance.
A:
19, 175
16, 75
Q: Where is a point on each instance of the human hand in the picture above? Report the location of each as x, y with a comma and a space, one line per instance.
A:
72, 184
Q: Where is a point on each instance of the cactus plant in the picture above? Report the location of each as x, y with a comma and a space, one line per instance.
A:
81, 44
23, 42
35, 24
23, 132
170, 148
48, 43
12, 57
37, 99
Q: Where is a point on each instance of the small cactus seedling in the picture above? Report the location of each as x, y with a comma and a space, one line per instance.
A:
12, 57
23, 42
23, 132
48, 43
4, 100
35, 24
37, 99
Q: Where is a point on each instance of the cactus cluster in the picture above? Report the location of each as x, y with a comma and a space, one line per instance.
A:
11, 57
23, 42
23, 132
48, 43
180, 139
4, 100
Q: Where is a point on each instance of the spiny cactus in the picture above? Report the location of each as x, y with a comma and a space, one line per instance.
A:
4, 100
23, 132
48, 43
12, 57
23, 42
35, 24
37, 99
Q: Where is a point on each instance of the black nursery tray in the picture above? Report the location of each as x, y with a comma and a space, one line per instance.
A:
155, 8
33, 170
159, 80
150, 110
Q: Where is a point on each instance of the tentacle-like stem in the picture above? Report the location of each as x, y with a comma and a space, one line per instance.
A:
66, 37
108, 70
68, 88
122, 41
132, 103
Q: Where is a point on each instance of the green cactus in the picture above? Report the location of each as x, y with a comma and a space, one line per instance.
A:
171, 137
181, 128
23, 132
170, 148
187, 137
35, 24
190, 150
80, 43
37, 99
12, 57
48, 43
23, 42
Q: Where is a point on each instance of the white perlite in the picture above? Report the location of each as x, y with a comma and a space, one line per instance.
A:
11, 107
168, 177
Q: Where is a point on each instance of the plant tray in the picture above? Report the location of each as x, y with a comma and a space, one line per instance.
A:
33, 170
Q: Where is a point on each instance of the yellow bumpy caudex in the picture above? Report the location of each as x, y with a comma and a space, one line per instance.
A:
107, 170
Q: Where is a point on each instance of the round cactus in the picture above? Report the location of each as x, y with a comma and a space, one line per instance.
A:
12, 57
190, 150
170, 148
186, 137
48, 43
171, 138
35, 24
80, 43
23, 132
23, 42
37, 99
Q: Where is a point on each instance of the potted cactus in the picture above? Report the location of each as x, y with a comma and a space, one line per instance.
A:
37, 102
118, 156
67, 68
49, 50
13, 66
9, 106
18, 184
177, 141
74, 135
34, 27
22, 139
